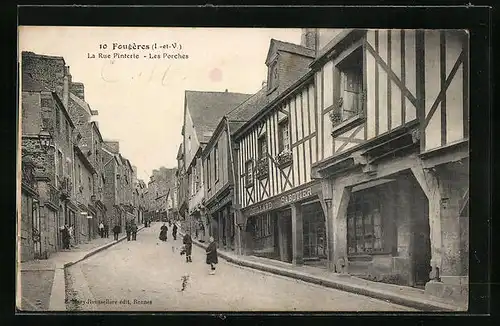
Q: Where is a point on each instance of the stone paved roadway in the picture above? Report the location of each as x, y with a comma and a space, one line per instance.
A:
151, 271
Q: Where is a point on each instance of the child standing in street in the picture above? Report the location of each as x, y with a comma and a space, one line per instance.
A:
212, 255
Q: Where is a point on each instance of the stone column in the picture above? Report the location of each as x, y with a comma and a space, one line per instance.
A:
297, 235
340, 200
227, 227
326, 203
404, 239
430, 186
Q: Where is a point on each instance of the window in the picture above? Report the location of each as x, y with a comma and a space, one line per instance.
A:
60, 164
351, 86
364, 225
249, 173
216, 166
263, 226
189, 143
209, 167
273, 76
90, 187
262, 146
283, 136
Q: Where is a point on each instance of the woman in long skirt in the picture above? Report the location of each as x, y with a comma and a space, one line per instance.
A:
163, 232
212, 255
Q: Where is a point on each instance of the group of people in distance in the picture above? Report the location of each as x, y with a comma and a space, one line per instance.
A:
187, 242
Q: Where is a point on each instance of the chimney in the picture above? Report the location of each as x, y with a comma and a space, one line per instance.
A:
264, 83
65, 92
308, 38
226, 90
79, 90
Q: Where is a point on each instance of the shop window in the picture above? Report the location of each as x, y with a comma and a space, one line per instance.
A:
364, 225
314, 231
263, 226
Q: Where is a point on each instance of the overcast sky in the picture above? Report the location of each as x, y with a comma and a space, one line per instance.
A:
140, 101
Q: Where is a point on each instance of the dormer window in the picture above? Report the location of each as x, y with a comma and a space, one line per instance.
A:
273, 76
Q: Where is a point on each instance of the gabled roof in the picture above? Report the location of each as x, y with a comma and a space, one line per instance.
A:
207, 108
276, 46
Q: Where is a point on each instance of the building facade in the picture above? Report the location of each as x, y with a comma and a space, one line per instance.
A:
220, 174
45, 91
202, 113
392, 107
280, 202
113, 194
66, 173
86, 218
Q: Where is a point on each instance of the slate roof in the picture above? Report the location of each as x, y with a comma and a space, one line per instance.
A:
80, 102
207, 108
277, 45
248, 109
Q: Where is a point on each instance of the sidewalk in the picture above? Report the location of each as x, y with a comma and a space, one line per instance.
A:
402, 295
42, 283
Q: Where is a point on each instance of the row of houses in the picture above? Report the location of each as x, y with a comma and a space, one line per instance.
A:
161, 194
353, 157
70, 175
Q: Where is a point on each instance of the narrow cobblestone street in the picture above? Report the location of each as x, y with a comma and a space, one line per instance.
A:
148, 275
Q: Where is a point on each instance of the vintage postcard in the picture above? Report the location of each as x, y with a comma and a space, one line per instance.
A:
243, 169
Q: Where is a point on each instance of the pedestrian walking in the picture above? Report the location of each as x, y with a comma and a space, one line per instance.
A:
174, 231
116, 231
163, 232
128, 230
71, 236
101, 229
212, 255
106, 230
65, 237
188, 243
134, 231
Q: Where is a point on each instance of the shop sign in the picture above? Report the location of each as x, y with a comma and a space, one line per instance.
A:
221, 203
292, 196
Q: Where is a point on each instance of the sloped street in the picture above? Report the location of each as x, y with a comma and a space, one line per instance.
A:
148, 275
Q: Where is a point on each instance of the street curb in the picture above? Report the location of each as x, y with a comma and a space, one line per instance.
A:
57, 301
98, 249
377, 294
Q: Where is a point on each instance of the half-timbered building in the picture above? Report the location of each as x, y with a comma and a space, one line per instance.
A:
219, 166
392, 146
280, 202
202, 113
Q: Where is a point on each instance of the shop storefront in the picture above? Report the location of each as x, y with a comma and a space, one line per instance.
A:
221, 222
289, 227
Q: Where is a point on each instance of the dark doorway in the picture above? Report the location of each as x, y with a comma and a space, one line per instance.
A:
276, 235
287, 223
